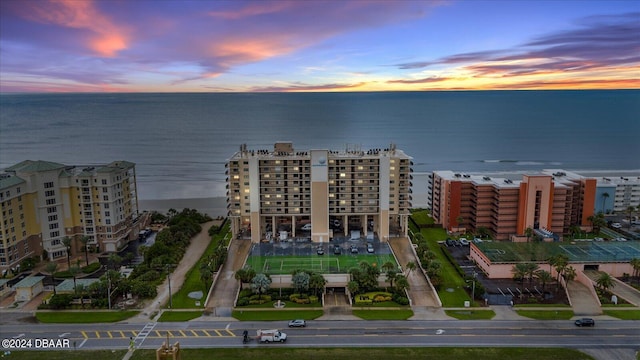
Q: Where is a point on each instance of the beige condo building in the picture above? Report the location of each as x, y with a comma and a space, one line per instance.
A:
42, 202
276, 192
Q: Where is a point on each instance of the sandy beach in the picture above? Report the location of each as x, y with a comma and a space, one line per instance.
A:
214, 206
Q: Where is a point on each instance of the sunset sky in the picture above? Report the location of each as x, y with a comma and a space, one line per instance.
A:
306, 45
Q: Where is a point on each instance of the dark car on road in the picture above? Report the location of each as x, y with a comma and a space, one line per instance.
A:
354, 249
585, 322
320, 250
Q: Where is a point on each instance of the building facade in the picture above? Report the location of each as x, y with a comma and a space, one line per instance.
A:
617, 193
281, 190
44, 202
549, 203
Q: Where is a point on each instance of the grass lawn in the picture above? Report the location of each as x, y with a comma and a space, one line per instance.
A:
179, 315
383, 314
546, 314
451, 292
83, 317
264, 353
623, 314
541, 306
422, 217
471, 314
272, 315
192, 281
332, 264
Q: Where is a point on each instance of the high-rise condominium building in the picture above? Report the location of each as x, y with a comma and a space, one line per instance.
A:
336, 192
43, 202
549, 202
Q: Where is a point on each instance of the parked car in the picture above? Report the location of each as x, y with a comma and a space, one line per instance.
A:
616, 225
306, 227
337, 250
585, 322
477, 240
320, 250
354, 249
450, 242
464, 242
370, 249
457, 243
297, 323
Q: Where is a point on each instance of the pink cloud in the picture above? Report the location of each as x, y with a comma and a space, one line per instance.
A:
306, 87
104, 36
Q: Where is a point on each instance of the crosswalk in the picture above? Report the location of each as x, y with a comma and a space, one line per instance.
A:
150, 333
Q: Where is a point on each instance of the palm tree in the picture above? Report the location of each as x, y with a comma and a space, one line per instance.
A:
206, 275
531, 270
570, 274
391, 276
317, 282
74, 271
240, 275
544, 277
635, 263
559, 262
66, 241
605, 282
260, 284
528, 232
51, 269
402, 283
410, 267
388, 266
85, 241
353, 287
604, 195
520, 271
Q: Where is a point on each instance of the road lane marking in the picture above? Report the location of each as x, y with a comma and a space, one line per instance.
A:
183, 334
82, 343
110, 334
217, 332
97, 334
205, 331
84, 334
194, 333
230, 333
122, 334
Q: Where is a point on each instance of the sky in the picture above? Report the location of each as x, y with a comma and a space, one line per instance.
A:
308, 45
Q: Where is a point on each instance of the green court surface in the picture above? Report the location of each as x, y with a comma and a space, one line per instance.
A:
279, 265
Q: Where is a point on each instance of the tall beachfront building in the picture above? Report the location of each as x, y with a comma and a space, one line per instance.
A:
42, 202
277, 192
549, 202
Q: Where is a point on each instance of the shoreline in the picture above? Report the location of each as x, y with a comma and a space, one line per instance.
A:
212, 206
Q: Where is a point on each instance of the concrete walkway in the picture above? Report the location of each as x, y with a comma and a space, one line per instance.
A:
420, 292
582, 300
223, 293
620, 289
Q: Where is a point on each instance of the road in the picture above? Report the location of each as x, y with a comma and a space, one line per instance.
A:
610, 335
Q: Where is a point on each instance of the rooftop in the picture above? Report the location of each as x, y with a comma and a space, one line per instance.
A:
28, 281
579, 251
67, 285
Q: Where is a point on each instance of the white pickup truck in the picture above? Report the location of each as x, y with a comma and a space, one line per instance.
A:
267, 336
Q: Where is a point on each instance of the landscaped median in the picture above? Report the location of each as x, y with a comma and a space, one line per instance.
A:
546, 313
175, 316
83, 317
470, 314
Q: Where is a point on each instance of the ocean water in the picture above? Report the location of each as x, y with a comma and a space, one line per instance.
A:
180, 142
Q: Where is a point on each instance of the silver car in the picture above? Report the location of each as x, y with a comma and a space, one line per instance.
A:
297, 323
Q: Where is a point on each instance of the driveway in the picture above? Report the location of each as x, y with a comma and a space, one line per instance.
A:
420, 292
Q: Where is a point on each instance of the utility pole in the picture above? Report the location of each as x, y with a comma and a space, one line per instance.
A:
109, 288
169, 280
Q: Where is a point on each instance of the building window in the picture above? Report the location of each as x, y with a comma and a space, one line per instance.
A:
105, 198
54, 234
50, 201
53, 226
53, 217
104, 181
48, 185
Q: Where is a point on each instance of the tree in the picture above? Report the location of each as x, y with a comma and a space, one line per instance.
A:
604, 196
559, 262
630, 211
483, 232
388, 266
74, 271
402, 284
410, 267
66, 241
392, 275
353, 287
528, 232
300, 282
531, 270
239, 275
85, 241
206, 275
317, 282
260, 284
520, 271
635, 263
570, 274
51, 269
605, 282
459, 221
114, 260
544, 277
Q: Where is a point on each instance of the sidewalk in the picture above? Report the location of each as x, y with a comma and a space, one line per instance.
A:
196, 248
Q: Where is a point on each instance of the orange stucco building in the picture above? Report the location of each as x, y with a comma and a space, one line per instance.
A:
550, 202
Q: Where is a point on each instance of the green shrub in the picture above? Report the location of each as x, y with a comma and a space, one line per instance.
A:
243, 301
91, 268
313, 299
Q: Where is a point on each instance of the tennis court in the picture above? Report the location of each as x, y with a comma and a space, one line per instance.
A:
270, 262
587, 251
